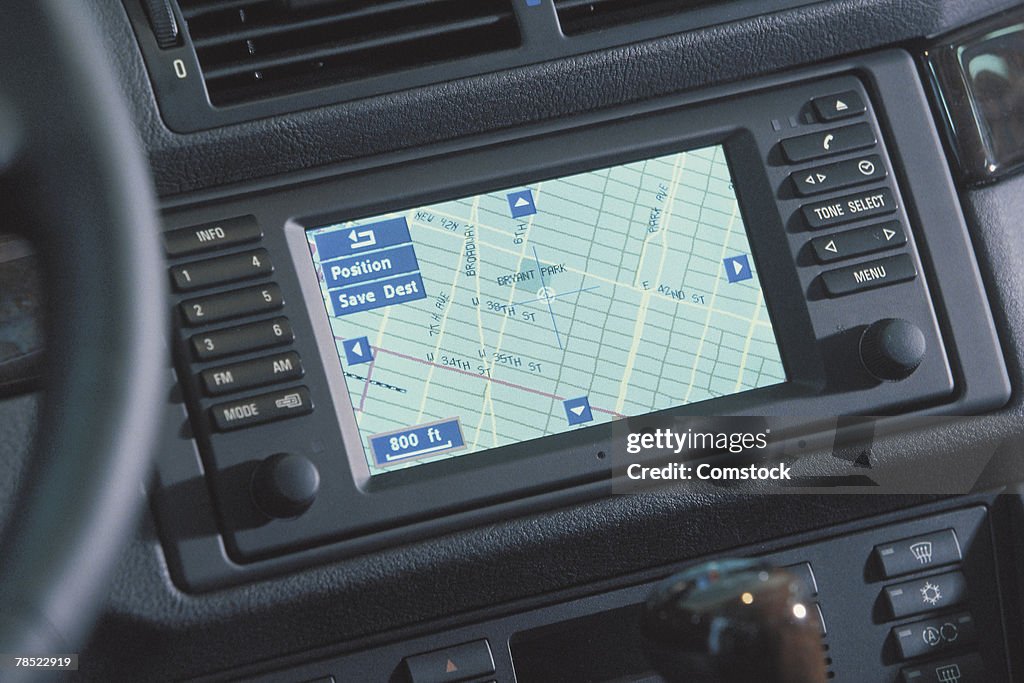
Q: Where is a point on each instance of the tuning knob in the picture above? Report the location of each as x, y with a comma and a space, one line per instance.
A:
285, 485
891, 349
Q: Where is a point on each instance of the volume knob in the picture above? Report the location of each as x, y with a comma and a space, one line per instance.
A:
285, 485
891, 349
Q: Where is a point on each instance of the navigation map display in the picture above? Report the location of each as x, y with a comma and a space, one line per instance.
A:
495, 319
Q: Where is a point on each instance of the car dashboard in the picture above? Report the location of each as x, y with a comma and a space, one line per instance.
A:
487, 317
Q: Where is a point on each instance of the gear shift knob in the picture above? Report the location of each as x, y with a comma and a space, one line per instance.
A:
733, 621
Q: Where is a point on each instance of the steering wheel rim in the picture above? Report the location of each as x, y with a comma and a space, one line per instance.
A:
81, 193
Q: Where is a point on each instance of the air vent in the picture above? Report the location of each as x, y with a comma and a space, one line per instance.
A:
582, 16
254, 49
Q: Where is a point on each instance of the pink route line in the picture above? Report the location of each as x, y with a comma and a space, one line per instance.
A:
366, 386
479, 376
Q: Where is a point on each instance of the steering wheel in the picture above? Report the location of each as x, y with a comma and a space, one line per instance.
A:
74, 182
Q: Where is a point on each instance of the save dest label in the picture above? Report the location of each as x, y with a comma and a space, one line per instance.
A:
366, 297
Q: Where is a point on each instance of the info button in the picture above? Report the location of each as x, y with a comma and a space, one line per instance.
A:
852, 207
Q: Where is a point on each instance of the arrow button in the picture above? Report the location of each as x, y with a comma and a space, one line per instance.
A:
458, 663
839, 175
839, 106
858, 242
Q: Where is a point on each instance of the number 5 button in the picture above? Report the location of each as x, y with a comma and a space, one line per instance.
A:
241, 302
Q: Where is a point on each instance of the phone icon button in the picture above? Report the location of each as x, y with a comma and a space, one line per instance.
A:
828, 142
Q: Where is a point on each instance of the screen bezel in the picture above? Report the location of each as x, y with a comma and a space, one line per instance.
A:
541, 463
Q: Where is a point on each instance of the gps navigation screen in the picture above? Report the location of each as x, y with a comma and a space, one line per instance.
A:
495, 319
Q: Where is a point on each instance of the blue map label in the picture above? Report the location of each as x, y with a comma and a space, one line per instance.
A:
366, 297
380, 264
415, 442
360, 239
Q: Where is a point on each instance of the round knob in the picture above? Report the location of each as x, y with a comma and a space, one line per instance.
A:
892, 349
285, 485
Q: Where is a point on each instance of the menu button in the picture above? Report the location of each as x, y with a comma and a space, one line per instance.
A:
869, 275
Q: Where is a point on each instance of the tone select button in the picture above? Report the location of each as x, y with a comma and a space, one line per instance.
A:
850, 208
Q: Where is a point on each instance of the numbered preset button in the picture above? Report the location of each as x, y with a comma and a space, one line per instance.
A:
235, 304
242, 339
222, 270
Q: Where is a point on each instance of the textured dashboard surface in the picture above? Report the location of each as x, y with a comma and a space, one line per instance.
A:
811, 34
150, 625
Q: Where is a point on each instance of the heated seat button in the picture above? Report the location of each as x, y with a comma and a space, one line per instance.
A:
918, 553
828, 142
234, 304
841, 106
962, 669
247, 412
925, 595
854, 207
934, 636
864, 276
209, 236
252, 373
241, 339
839, 175
854, 243
458, 663
218, 271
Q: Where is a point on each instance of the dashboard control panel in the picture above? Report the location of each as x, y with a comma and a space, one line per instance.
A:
375, 354
937, 622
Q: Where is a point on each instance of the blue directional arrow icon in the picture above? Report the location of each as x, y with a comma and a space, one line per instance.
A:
577, 410
357, 350
737, 268
521, 204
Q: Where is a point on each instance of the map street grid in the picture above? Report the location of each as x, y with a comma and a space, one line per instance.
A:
553, 306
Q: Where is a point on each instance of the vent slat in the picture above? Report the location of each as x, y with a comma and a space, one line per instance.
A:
339, 49
254, 49
196, 8
583, 16
251, 32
